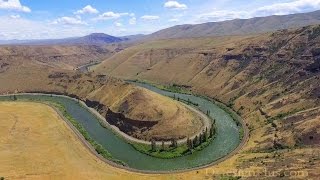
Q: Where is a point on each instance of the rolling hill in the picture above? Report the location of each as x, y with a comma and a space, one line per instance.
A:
238, 26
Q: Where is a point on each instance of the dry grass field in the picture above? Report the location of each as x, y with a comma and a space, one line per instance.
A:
36, 144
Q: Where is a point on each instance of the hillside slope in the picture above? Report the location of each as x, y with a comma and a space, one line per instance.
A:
59, 56
238, 26
272, 80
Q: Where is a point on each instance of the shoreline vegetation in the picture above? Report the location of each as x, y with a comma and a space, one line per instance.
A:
172, 151
97, 147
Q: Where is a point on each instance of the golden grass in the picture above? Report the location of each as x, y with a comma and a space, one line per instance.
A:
37, 144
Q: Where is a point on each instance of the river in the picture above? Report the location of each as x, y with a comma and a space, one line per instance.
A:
227, 136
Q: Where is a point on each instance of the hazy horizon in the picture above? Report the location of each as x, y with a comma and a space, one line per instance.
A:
23, 20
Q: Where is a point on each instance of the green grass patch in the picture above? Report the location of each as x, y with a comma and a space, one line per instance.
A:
168, 153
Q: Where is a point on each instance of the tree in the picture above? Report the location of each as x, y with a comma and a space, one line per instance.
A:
1, 178
174, 143
208, 112
189, 143
212, 131
153, 145
178, 98
15, 97
200, 138
162, 146
195, 141
206, 135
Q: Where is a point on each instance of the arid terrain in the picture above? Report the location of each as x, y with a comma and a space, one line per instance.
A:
272, 80
59, 56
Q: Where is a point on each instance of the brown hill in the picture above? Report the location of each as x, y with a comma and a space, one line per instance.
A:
238, 26
59, 56
136, 111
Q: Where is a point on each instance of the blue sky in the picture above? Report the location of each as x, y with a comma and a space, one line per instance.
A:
46, 19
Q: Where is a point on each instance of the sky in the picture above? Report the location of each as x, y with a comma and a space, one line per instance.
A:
52, 19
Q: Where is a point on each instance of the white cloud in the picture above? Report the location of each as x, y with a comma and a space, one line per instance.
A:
13, 5
174, 20
294, 6
87, 10
287, 8
175, 5
111, 15
22, 28
150, 18
133, 21
69, 21
15, 16
222, 15
117, 24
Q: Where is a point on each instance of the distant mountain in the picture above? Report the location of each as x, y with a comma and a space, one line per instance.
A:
97, 38
92, 39
231, 27
238, 26
133, 37
14, 41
